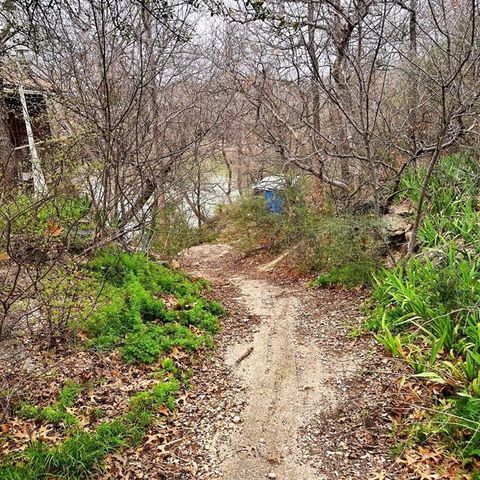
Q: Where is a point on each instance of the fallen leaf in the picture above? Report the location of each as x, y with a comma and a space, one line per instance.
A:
164, 410
54, 229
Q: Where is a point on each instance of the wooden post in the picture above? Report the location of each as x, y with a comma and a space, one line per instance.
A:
39, 184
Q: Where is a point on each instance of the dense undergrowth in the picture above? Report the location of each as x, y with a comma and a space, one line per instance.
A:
145, 310
137, 317
28, 225
426, 310
344, 248
174, 233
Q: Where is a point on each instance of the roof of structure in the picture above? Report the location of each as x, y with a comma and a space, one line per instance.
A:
271, 183
13, 74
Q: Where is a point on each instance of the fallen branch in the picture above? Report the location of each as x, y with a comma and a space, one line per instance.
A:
244, 356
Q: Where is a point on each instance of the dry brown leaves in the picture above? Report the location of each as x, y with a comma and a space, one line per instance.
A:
18, 433
432, 462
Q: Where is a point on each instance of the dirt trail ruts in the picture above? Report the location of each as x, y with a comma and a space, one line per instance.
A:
287, 376
285, 384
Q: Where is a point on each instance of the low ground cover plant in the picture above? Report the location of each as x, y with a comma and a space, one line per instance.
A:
83, 451
131, 303
58, 411
136, 316
426, 310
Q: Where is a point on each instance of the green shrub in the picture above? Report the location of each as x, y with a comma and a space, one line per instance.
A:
31, 219
249, 224
345, 248
174, 233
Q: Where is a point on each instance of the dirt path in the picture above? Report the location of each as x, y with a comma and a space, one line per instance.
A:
290, 378
284, 387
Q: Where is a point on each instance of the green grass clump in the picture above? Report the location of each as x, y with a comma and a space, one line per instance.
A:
350, 275
161, 394
82, 453
57, 412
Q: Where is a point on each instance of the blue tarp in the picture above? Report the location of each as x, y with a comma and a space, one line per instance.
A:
274, 201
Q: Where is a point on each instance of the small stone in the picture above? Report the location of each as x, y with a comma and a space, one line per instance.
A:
262, 440
272, 475
236, 419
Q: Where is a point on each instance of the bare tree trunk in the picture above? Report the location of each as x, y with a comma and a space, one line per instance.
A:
228, 165
312, 53
341, 45
421, 199
413, 76
198, 190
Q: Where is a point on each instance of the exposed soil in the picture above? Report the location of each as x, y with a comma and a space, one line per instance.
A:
289, 394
